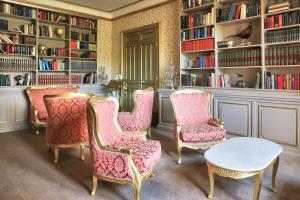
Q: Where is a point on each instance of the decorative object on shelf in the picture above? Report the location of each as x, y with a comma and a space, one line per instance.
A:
225, 44
241, 82
59, 32
102, 76
245, 34
18, 78
277, 6
42, 50
171, 76
117, 89
257, 84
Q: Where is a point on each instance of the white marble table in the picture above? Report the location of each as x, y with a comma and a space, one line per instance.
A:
243, 157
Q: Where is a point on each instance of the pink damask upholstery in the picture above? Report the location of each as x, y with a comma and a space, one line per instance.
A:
140, 118
116, 156
38, 112
67, 121
193, 126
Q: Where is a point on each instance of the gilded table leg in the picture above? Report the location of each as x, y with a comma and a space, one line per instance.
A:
137, 190
257, 185
179, 149
275, 168
212, 182
95, 180
82, 152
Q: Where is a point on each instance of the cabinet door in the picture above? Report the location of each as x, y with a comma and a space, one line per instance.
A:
236, 116
278, 122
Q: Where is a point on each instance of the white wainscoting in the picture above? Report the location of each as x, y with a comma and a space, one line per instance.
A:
273, 115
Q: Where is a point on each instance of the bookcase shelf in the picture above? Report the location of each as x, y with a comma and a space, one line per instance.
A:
45, 24
256, 64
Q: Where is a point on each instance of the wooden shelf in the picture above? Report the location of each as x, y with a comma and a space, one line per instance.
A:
202, 26
54, 57
241, 47
85, 50
31, 45
83, 71
208, 68
21, 55
53, 38
16, 33
248, 19
282, 43
47, 71
198, 39
198, 8
283, 27
240, 67
88, 59
198, 51
84, 41
15, 70
284, 11
281, 66
82, 27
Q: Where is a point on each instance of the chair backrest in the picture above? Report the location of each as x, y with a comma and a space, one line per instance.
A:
103, 122
191, 105
143, 105
36, 95
67, 121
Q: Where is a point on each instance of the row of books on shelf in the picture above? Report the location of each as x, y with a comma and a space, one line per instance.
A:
286, 35
19, 10
53, 65
45, 31
208, 80
282, 81
27, 29
61, 52
4, 80
51, 16
197, 19
17, 39
277, 56
79, 21
84, 65
53, 79
251, 57
187, 4
198, 33
83, 45
14, 49
280, 6
201, 61
196, 45
3, 25
14, 63
91, 37
89, 55
238, 11
285, 19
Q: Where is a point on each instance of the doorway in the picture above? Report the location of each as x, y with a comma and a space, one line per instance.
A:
141, 63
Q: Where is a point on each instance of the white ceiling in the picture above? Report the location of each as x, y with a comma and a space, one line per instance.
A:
104, 5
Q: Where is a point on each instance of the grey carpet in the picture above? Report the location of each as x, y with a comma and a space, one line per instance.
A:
27, 172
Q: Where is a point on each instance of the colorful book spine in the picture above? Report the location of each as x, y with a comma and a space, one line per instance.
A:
251, 57
278, 56
53, 79
188, 4
282, 81
18, 50
279, 36
79, 21
17, 64
198, 33
197, 45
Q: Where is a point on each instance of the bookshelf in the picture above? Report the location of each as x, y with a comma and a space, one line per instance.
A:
272, 51
45, 47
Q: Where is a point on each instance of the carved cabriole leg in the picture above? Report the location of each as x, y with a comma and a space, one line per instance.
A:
56, 154
149, 132
275, 168
82, 152
257, 185
37, 130
179, 149
211, 181
95, 180
137, 190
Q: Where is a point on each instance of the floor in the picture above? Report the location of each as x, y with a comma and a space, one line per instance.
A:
27, 172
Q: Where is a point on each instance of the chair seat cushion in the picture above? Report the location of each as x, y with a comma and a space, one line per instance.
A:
201, 132
43, 115
145, 153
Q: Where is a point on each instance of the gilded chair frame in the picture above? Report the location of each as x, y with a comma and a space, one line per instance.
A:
33, 113
179, 143
56, 147
147, 131
137, 178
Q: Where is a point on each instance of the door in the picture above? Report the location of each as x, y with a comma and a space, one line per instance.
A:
141, 62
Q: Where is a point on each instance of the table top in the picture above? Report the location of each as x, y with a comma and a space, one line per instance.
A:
243, 154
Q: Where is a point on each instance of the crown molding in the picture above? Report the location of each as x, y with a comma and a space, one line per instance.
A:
55, 4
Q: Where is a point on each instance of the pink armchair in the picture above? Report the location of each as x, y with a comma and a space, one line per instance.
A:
67, 122
140, 118
193, 125
38, 112
118, 157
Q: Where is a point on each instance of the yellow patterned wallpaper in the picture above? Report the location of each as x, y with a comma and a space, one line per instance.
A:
104, 50
167, 15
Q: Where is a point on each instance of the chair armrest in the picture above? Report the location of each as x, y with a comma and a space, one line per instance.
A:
216, 122
119, 150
